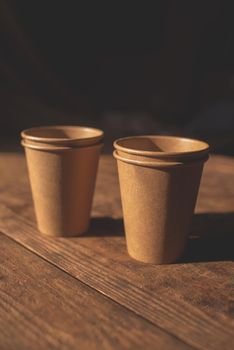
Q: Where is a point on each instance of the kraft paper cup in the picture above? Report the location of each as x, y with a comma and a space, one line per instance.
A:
63, 135
62, 181
159, 192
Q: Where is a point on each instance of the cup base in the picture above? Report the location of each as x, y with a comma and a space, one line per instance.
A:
155, 261
63, 234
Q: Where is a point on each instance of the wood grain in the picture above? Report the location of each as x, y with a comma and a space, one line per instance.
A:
42, 307
192, 300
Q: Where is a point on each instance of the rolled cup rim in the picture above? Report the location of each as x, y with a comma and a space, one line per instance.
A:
156, 163
159, 154
93, 135
51, 148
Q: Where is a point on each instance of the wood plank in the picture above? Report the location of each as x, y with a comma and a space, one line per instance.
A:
43, 307
193, 301
178, 297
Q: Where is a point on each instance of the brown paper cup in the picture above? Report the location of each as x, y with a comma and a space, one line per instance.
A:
158, 199
62, 180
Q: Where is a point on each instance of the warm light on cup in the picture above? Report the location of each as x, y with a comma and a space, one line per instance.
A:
62, 176
159, 180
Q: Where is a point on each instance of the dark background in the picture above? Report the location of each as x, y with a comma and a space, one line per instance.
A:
162, 67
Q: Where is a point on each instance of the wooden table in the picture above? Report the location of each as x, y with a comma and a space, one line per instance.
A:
87, 293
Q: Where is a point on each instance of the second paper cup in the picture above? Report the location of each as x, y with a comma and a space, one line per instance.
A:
159, 181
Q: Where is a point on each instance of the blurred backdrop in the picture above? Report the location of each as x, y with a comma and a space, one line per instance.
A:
134, 68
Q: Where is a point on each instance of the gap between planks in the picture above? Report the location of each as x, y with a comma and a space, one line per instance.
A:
31, 250
23, 325
199, 331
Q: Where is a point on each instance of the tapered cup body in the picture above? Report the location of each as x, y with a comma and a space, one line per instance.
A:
158, 198
62, 179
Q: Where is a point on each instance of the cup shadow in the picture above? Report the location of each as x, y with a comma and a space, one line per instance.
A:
211, 239
105, 227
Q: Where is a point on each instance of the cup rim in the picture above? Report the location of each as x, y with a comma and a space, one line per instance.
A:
203, 149
55, 148
156, 164
93, 135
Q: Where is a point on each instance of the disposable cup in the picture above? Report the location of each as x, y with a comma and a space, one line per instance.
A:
159, 185
62, 179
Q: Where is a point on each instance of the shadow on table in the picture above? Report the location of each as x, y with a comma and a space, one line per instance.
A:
106, 227
212, 238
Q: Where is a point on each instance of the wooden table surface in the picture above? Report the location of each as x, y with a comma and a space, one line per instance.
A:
87, 293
